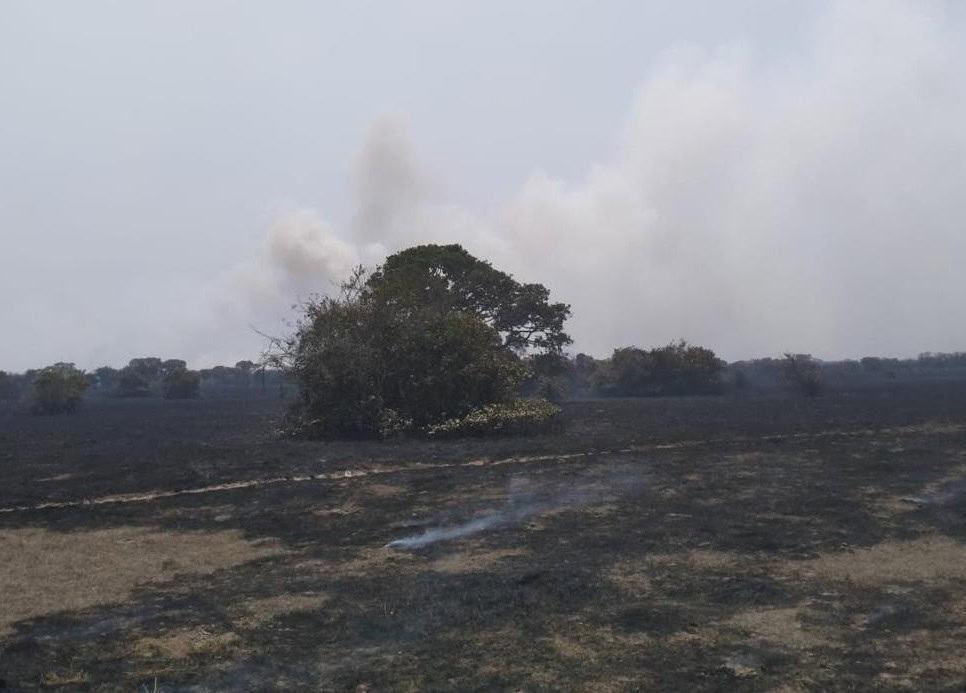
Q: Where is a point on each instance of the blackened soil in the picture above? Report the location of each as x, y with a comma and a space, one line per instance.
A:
676, 544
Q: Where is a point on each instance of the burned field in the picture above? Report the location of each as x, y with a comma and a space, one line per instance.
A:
754, 543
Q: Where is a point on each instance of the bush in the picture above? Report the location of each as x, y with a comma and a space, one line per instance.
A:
431, 336
675, 369
181, 384
804, 373
57, 389
520, 417
365, 374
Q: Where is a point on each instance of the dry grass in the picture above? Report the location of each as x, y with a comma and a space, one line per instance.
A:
256, 612
629, 577
56, 679
474, 560
184, 643
779, 626
697, 559
922, 560
374, 561
45, 572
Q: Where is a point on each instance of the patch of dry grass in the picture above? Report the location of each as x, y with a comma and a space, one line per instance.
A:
474, 560
372, 561
697, 559
922, 560
44, 572
781, 626
184, 643
630, 578
253, 613
57, 679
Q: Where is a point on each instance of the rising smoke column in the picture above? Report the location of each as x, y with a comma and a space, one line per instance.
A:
813, 205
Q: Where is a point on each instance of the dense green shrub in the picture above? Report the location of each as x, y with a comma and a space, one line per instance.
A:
181, 384
364, 373
57, 389
432, 335
519, 417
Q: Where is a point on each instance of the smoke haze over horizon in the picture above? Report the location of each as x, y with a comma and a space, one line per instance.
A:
756, 178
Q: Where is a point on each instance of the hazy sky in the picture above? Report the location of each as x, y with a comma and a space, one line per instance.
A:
754, 176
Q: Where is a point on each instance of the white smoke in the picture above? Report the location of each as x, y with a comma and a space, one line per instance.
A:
525, 499
814, 205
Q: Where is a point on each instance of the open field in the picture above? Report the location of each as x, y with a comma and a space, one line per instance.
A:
755, 543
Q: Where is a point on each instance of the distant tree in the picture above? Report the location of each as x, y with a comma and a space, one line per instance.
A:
549, 375
148, 368
804, 373
57, 389
245, 370
130, 383
106, 378
172, 366
181, 384
9, 388
676, 369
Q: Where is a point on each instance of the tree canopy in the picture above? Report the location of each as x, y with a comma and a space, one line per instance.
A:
431, 335
447, 278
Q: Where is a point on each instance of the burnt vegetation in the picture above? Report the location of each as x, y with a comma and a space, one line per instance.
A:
457, 503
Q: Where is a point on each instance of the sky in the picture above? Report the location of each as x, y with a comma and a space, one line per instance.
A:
756, 176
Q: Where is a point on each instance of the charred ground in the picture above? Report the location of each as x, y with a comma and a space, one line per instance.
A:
740, 543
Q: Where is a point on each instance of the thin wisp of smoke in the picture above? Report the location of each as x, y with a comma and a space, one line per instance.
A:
525, 499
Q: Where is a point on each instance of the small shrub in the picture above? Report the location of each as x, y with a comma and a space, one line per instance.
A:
181, 384
520, 417
57, 389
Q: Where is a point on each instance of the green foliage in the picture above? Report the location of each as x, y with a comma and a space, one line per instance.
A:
519, 417
675, 369
149, 368
432, 335
105, 378
57, 389
169, 366
181, 384
365, 372
131, 383
804, 373
446, 278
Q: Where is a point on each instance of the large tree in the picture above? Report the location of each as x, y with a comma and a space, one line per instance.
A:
431, 335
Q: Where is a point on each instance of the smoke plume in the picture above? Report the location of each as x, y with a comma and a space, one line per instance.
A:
525, 499
815, 205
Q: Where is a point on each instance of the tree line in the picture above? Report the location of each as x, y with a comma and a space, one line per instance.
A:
437, 342
60, 387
